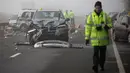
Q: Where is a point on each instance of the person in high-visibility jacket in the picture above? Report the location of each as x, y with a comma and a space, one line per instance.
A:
66, 14
71, 16
97, 31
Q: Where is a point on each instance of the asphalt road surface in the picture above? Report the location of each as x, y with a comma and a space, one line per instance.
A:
124, 51
26, 59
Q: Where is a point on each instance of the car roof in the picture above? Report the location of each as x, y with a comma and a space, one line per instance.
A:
49, 10
28, 10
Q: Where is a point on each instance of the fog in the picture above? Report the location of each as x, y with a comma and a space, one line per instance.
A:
80, 7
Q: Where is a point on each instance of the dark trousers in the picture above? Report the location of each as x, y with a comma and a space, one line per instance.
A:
99, 56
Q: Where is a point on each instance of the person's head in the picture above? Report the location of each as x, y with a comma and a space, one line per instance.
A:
66, 11
98, 6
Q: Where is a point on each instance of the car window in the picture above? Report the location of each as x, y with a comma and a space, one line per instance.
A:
61, 15
25, 15
124, 19
120, 16
32, 13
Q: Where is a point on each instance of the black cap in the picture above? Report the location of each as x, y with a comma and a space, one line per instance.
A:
98, 3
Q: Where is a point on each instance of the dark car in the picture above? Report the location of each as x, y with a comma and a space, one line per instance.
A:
121, 30
48, 25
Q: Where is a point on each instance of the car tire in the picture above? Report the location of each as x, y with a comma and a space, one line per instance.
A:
23, 27
129, 38
115, 37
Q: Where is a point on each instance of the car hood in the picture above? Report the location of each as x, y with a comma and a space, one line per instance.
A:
48, 22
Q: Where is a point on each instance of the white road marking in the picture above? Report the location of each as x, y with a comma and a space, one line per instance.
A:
15, 55
118, 59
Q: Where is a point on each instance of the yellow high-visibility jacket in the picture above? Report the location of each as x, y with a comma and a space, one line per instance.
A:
98, 38
66, 15
71, 14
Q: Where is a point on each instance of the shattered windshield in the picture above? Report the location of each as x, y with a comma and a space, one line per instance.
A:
46, 14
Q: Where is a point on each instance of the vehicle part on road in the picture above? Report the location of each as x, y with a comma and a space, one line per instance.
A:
52, 44
58, 44
21, 43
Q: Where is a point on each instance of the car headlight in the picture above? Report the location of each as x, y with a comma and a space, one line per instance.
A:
31, 30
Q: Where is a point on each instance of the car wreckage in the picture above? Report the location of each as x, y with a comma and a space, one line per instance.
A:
48, 25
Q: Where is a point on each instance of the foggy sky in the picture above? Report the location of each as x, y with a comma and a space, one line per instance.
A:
80, 7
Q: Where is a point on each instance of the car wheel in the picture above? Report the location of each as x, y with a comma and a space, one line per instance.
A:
23, 28
129, 38
115, 37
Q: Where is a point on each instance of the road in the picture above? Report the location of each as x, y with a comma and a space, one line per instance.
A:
124, 51
27, 59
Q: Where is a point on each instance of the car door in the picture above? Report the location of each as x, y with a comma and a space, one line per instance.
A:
29, 18
121, 30
22, 19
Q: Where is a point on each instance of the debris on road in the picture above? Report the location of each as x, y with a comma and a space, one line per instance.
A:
52, 44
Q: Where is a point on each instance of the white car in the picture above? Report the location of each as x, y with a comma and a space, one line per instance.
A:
13, 20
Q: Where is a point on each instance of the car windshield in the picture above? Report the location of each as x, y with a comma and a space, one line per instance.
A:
46, 14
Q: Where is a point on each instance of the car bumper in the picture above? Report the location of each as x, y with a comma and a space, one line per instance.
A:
50, 36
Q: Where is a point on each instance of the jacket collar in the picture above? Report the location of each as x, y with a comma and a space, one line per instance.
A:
97, 14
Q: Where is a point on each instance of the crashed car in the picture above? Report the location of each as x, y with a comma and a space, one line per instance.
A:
48, 25
24, 19
121, 29
13, 20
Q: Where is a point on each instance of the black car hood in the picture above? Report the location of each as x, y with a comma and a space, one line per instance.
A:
48, 22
